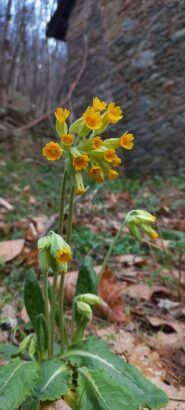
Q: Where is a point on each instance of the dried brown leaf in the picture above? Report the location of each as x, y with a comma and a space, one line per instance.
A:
9, 250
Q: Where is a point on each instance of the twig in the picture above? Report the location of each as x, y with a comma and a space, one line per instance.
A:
69, 94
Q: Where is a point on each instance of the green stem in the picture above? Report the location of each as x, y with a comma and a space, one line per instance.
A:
61, 313
70, 216
62, 202
46, 308
73, 321
53, 308
109, 252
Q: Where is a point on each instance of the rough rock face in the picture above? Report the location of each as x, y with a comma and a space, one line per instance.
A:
136, 57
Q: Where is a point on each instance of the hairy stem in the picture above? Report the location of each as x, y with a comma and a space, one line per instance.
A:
109, 252
62, 202
61, 313
70, 216
46, 308
53, 308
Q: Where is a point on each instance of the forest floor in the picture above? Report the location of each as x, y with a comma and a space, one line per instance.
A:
144, 285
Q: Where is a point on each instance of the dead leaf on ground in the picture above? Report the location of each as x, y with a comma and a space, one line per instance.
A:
162, 244
10, 249
169, 325
56, 405
144, 291
5, 204
109, 291
130, 260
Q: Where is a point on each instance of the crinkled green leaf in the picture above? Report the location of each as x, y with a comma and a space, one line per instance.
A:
98, 390
55, 379
7, 350
18, 381
33, 298
94, 354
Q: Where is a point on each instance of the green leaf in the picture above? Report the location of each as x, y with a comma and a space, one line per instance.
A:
98, 390
87, 280
56, 379
7, 350
18, 380
33, 403
95, 354
33, 298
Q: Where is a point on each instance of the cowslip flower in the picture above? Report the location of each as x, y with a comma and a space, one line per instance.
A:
112, 174
54, 252
92, 118
126, 141
63, 255
139, 220
79, 185
62, 114
97, 173
114, 113
110, 155
116, 162
67, 139
97, 142
80, 161
52, 151
98, 105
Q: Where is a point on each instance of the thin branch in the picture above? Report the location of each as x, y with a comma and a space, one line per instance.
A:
69, 94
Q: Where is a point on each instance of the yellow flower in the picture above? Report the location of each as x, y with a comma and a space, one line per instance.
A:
67, 139
154, 235
97, 142
63, 255
80, 191
110, 155
114, 113
116, 162
52, 151
99, 105
92, 118
97, 173
112, 174
62, 114
126, 141
80, 162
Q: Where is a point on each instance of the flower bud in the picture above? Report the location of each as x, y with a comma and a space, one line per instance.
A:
53, 252
84, 310
139, 220
89, 298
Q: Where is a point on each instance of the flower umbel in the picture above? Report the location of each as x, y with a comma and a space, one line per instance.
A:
139, 220
62, 114
52, 151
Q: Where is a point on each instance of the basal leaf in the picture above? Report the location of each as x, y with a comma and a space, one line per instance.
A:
33, 403
7, 350
55, 380
18, 380
33, 298
98, 390
87, 280
94, 354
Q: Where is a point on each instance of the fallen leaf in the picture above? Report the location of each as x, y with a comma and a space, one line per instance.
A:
130, 259
40, 222
169, 325
10, 249
109, 291
31, 233
5, 204
145, 292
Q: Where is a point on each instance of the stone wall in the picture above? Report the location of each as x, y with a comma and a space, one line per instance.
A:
136, 57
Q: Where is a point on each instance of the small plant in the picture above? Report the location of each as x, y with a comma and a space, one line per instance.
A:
55, 361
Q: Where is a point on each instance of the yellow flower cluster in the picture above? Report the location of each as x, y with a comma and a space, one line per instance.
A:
82, 146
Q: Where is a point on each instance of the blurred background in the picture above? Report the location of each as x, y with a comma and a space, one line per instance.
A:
66, 51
